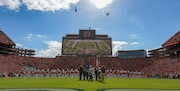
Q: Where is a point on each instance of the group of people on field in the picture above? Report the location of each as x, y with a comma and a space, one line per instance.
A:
92, 73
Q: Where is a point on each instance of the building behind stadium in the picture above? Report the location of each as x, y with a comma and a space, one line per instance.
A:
131, 53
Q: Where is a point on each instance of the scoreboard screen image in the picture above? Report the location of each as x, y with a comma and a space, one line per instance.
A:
86, 46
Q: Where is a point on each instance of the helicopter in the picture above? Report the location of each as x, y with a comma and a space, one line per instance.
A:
75, 9
107, 13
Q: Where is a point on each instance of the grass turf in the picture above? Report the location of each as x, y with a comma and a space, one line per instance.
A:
124, 83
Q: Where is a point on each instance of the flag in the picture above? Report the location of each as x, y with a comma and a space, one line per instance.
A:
88, 63
97, 62
86, 51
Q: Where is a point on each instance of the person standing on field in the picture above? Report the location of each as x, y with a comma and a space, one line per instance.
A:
96, 73
80, 72
102, 74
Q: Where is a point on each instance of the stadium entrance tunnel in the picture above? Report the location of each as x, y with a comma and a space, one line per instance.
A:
41, 89
133, 90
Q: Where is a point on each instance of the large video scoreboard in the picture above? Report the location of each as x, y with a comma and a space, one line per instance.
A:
86, 43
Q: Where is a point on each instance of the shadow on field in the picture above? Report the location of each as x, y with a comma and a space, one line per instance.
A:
118, 89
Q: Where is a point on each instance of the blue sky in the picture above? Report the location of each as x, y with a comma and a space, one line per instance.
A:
132, 24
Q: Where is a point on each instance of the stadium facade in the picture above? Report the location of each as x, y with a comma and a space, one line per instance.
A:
86, 43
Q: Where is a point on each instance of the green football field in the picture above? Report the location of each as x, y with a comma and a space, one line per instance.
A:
74, 84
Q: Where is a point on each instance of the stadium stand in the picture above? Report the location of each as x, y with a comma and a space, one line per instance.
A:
7, 46
170, 48
67, 65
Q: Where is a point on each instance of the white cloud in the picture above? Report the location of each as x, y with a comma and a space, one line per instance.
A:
134, 43
11, 4
37, 36
117, 45
54, 48
101, 3
41, 5
41, 36
133, 36
19, 45
48, 5
29, 36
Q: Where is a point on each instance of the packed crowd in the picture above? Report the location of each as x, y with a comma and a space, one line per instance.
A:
167, 67
64, 66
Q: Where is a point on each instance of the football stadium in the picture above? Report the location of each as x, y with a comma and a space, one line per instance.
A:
87, 64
